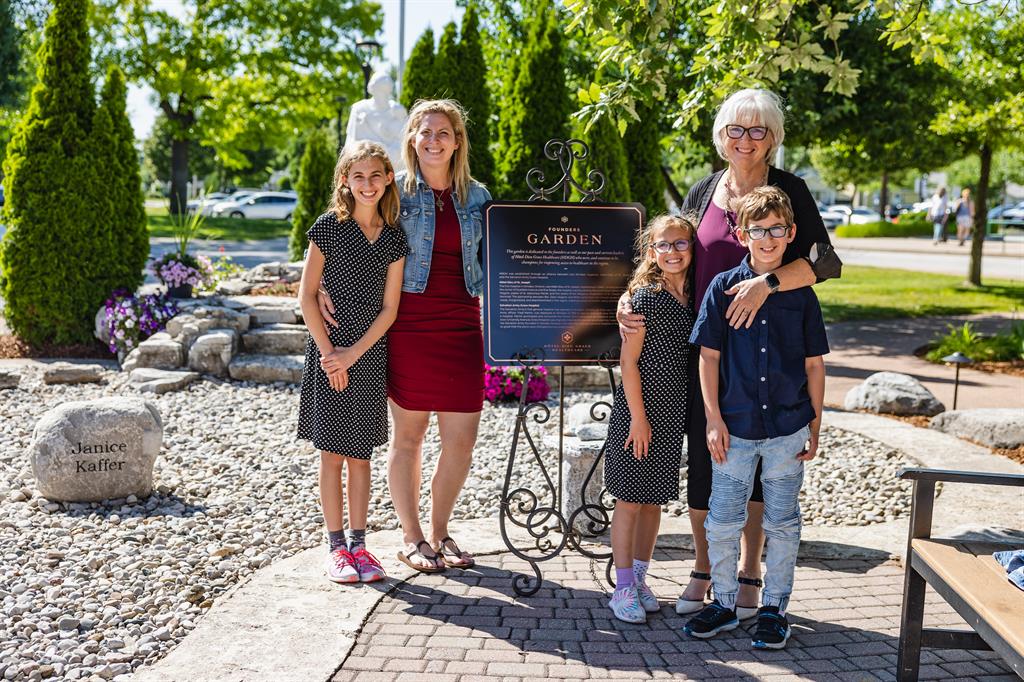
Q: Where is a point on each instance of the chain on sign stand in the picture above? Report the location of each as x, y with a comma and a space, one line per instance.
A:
540, 512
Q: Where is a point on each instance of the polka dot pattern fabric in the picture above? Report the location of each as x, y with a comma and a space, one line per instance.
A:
354, 421
664, 361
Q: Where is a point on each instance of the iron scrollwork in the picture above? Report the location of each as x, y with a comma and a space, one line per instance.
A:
540, 512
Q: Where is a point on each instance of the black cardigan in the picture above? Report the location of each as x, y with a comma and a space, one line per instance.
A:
810, 230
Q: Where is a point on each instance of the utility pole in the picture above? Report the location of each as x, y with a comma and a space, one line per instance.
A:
401, 46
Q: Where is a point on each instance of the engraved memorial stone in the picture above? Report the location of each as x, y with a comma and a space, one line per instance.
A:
94, 450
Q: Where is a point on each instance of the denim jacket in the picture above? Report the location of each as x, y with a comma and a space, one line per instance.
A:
417, 219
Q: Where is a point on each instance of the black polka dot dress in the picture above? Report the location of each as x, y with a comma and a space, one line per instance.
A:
663, 364
354, 421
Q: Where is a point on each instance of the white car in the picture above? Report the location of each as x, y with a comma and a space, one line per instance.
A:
831, 218
211, 208
205, 201
1015, 215
864, 215
268, 205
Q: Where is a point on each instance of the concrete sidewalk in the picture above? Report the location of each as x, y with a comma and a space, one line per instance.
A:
1002, 259
861, 348
288, 623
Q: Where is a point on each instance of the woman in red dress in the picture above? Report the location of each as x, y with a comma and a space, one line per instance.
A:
435, 346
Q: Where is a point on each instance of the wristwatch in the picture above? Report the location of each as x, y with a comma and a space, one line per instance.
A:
772, 281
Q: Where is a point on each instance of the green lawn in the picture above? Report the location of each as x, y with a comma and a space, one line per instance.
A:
232, 229
877, 293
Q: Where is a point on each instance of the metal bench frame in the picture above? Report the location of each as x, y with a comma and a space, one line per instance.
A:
913, 634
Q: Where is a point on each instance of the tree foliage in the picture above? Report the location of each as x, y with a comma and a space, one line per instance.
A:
314, 186
118, 169
469, 87
726, 45
608, 156
985, 109
56, 254
642, 143
10, 55
539, 107
446, 63
418, 78
237, 73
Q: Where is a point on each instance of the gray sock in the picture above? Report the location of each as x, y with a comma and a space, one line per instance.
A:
356, 538
336, 539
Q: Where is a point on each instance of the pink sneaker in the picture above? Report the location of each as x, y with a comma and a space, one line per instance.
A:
341, 567
369, 568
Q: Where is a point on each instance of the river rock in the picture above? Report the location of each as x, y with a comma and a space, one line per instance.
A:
996, 427
94, 450
207, 317
276, 339
211, 353
158, 381
267, 369
893, 393
71, 373
234, 287
274, 272
9, 378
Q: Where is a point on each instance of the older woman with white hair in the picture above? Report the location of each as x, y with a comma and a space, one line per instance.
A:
748, 129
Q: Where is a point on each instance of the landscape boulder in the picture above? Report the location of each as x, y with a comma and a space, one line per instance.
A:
149, 380
893, 393
160, 351
211, 353
71, 373
87, 451
996, 427
9, 378
276, 339
266, 369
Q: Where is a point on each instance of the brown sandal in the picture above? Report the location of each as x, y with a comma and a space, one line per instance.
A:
447, 548
404, 557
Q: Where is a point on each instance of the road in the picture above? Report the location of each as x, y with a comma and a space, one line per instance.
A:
1003, 260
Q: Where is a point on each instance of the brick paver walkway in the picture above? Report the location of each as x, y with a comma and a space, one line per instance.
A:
468, 625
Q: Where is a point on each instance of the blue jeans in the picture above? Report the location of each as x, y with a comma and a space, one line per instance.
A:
939, 230
782, 474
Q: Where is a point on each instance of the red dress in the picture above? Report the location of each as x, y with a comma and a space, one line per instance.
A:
436, 344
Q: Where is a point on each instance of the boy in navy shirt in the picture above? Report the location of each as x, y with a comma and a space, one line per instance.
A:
764, 388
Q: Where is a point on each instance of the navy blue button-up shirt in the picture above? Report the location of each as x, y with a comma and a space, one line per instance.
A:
762, 382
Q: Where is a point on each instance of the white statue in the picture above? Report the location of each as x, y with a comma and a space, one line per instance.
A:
379, 119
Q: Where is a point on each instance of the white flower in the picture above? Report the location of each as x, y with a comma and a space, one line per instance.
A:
129, 323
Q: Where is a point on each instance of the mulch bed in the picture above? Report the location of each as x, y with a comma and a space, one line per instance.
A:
13, 347
1014, 367
276, 289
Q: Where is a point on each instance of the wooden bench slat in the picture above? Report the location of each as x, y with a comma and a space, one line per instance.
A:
969, 569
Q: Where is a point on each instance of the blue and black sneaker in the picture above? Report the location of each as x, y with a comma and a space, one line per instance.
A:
772, 629
714, 618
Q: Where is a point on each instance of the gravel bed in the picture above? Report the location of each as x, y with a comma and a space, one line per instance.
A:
93, 591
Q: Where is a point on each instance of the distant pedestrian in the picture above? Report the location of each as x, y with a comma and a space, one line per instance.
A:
648, 421
356, 256
764, 389
937, 213
964, 211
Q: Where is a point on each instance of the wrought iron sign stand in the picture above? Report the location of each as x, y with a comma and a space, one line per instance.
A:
539, 512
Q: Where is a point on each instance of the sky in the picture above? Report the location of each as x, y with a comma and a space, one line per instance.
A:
419, 14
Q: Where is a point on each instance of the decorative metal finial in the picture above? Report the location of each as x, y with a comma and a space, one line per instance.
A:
565, 152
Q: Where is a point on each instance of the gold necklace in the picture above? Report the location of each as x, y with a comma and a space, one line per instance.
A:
439, 198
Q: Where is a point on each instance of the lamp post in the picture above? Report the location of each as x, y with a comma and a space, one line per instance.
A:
341, 100
366, 49
956, 359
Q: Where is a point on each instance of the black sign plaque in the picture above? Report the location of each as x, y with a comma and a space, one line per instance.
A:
552, 276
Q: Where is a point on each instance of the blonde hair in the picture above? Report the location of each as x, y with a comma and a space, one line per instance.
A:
647, 272
342, 201
751, 106
761, 202
459, 165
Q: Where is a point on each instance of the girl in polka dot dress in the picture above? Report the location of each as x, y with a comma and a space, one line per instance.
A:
645, 433
356, 254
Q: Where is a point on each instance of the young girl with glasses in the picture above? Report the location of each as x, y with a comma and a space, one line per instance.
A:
648, 420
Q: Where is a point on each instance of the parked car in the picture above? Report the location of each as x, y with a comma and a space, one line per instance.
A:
996, 212
863, 215
233, 198
272, 205
831, 218
205, 200
1015, 215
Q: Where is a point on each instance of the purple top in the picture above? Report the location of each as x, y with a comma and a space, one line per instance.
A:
716, 251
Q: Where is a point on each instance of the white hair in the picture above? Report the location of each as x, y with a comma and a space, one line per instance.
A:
748, 107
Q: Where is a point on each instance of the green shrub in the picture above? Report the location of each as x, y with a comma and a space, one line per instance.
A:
974, 345
314, 187
643, 149
904, 228
418, 80
120, 174
469, 86
57, 253
606, 155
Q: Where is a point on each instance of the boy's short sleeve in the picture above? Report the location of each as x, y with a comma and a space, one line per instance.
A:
399, 244
644, 302
815, 338
323, 232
